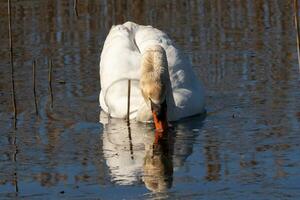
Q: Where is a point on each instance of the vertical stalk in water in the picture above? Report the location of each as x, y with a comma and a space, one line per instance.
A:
15, 161
128, 100
12, 63
50, 81
34, 87
297, 29
128, 118
75, 8
13, 94
130, 142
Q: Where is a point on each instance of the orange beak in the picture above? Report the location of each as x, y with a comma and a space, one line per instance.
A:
159, 112
161, 123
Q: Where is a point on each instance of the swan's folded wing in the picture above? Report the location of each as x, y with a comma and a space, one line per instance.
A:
119, 62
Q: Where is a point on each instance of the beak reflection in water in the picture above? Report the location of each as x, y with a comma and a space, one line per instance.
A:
158, 165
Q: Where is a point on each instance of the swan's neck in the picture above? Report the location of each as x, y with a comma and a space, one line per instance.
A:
154, 74
155, 81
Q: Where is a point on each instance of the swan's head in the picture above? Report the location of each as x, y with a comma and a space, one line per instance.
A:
153, 84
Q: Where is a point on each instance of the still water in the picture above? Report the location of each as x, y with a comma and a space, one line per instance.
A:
246, 147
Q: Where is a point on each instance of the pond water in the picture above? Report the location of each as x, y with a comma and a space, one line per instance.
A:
246, 147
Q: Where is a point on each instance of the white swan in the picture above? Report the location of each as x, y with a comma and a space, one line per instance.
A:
161, 76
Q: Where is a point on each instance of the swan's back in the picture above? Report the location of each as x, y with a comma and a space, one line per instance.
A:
121, 60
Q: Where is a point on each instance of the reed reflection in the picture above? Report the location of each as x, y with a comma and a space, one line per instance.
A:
212, 157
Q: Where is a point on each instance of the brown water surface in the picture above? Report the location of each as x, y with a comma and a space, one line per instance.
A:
247, 147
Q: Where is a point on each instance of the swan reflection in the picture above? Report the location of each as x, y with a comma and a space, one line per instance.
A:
134, 154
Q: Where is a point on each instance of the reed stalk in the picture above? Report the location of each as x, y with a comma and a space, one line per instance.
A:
128, 118
296, 19
75, 8
50, 81
34, 86
13, 99
128, 100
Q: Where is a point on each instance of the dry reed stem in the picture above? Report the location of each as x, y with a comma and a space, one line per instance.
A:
34, 86
12, 64
75, 8
50, 81
128, 119
297, 29
128, 100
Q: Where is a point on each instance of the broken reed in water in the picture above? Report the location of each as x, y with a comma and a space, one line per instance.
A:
12, 63
128, 99
50, 81
34, 86
296, 19
75, 8
128, 118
